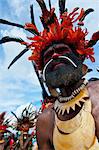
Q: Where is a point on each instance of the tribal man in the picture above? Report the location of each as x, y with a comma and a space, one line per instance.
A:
24, 124
59, 51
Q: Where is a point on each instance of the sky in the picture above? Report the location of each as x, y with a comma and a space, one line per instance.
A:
19, 85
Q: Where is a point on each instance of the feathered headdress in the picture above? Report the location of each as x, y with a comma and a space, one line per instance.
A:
4, 123
67, 29
28, 116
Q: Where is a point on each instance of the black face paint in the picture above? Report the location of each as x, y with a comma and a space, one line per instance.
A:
65, 69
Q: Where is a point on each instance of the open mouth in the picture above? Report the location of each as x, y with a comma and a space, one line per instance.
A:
65, 95
73, 94
70, 106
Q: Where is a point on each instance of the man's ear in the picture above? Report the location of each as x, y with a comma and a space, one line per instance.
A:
85, 69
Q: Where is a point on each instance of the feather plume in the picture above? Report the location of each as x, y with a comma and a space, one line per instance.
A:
88, 11
32, 14
62, 6
42, 5
10, 39
94, 39
2, 21
44, 92
50, 4
17, 57
15, 115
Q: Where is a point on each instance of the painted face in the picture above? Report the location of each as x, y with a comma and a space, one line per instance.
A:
1, 135
62, 67
25, 127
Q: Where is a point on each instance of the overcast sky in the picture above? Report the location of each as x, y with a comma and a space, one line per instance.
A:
19, 85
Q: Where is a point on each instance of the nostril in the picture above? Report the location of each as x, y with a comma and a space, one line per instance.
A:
55, 55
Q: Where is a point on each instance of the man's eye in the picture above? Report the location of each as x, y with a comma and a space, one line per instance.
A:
48, 55
61, 51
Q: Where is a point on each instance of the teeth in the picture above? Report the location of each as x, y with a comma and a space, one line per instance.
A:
78, 103
82, 100
68, 109
55, 106
57, 109
59, 112
74, 93
77, 91
67, 99
85, 82
72, 96
73, 107
82, 86
63, 111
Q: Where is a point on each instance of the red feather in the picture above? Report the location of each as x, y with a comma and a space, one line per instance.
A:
95, 36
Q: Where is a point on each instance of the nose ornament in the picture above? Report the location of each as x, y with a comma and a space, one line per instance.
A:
55, 56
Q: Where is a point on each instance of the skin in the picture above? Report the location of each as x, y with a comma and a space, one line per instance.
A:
24, 145
63, 75
93, 88
1, 138
45, 123
45, 129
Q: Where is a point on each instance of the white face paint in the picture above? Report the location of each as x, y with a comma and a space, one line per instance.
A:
69, 60
52, 60
45, 68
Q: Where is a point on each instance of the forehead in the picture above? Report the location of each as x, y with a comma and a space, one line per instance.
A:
54, 47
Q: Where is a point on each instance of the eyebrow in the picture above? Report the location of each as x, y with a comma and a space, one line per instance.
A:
54, 47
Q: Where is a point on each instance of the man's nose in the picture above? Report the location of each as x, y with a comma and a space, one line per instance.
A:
55, 55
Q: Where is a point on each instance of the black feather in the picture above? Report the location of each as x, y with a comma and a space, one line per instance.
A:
91, 43
46, 18
29, 106
32, 14
10, 39
44, 10
2, 21
88, 11
15, 115
42, 5
44, 92
32, 20
23, 112
27, 113
62, 6
50, 4
18, 56
43, 23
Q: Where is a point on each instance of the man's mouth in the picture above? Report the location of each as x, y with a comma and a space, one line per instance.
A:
62, 99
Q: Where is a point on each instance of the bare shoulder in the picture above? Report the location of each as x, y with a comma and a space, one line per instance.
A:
46, 117
93, 88
44, 129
